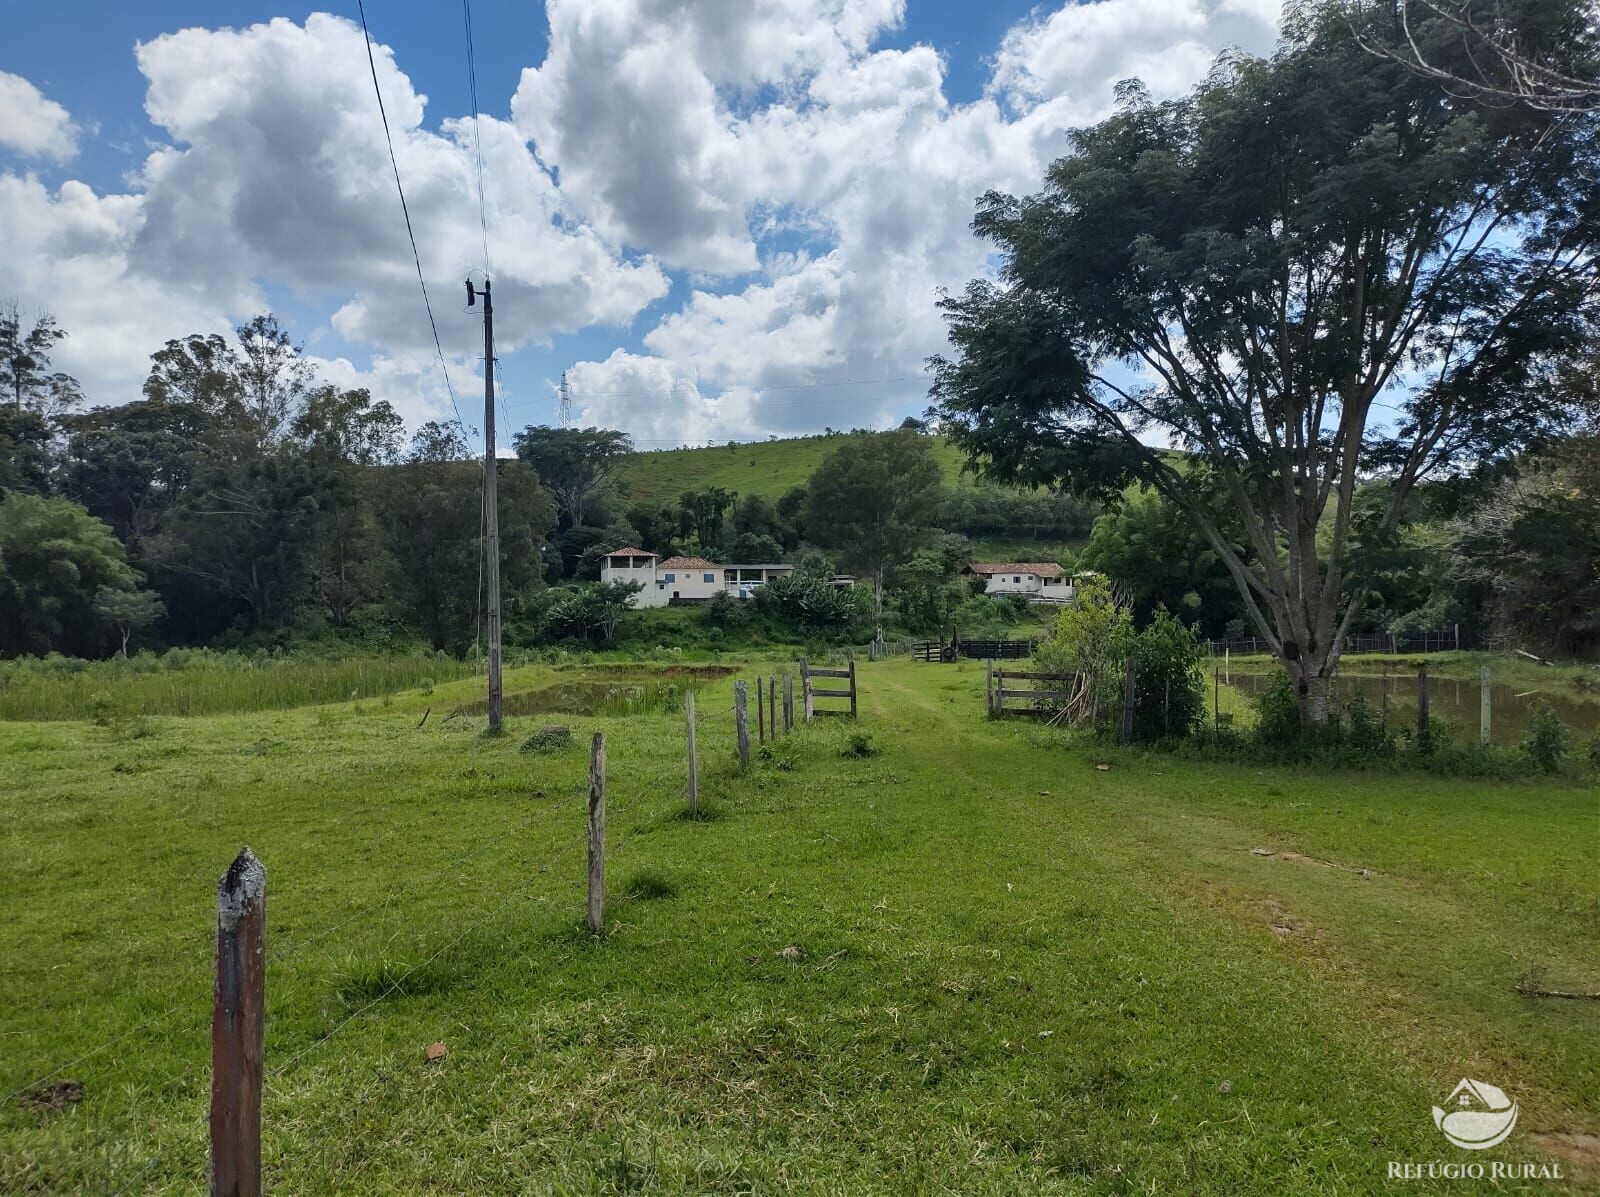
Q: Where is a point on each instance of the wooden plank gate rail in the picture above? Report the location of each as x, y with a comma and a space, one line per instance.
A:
998, 691
811, 693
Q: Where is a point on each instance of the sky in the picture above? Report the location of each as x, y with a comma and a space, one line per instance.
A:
721, 219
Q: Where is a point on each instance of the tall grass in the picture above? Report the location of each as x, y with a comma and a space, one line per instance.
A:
204, 682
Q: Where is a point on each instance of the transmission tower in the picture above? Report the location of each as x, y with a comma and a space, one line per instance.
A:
564, 406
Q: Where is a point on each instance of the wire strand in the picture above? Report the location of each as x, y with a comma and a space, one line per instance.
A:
405, 210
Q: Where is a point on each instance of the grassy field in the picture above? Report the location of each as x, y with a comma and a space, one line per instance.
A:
971, 962
200, 682
766, 468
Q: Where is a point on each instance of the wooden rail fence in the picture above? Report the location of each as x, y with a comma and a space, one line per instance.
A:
1040, 700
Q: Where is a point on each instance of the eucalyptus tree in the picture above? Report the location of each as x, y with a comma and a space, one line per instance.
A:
1315, 269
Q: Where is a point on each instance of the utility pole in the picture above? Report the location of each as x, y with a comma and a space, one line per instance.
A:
491, 504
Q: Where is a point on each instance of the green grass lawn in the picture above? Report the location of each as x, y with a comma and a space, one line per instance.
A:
1012, 971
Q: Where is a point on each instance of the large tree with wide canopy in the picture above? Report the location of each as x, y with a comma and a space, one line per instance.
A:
1314, 269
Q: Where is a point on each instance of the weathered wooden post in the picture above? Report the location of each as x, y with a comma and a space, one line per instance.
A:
694, 763
741, 722
1384, 699
807, 700
1227, 663
788, 701
772, 708
761, 715
852, 687
1216, 699
238, 1028
988, 686
1422, 705
595, 915
1483, 705
1127, 702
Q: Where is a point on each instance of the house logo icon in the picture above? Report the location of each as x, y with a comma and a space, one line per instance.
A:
1476, 1115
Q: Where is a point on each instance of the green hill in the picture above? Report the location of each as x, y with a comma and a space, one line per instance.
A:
765, 468
769, 468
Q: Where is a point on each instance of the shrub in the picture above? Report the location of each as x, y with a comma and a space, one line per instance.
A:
1169, 686
555, 737
1363, 730
1278, 714
859, 744
1547, 741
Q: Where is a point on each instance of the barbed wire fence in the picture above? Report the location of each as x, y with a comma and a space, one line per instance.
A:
641, 811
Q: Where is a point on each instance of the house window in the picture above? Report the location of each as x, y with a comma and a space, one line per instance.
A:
708, 577
1016, 579
672, 577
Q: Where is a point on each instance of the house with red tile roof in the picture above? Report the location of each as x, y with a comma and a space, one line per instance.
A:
684, 579
1040, 581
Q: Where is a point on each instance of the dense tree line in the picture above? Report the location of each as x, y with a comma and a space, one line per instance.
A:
244, 501
241, 500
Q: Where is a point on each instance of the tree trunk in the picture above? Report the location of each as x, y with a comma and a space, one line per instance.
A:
1311, 680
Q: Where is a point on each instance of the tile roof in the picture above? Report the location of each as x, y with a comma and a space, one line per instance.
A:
1045, 569
687, 563
629, 553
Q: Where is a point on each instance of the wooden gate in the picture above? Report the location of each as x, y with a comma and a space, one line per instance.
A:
812, 692
1044, 701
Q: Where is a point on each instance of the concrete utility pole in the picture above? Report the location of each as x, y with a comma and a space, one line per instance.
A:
490, 503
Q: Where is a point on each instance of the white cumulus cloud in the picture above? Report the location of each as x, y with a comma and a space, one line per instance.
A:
31, 124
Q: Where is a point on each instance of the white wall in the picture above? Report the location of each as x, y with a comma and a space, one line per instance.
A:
638, 569
688, 583
1010, 584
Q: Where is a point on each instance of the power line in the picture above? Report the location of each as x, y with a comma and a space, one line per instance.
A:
405, 210
477, 142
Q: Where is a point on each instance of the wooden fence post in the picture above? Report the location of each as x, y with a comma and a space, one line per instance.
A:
595, 915
1216, 699
806, 701
988, 686
1483, 705
788, 701
1127, 702
761, 715
852, 688
741, 722
238, 1028
694, 764
772, 708
1422, 705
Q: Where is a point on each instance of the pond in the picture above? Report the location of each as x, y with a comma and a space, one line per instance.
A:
1453, 700
615, 690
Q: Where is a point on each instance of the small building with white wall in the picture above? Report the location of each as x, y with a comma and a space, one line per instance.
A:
1040, 581
634, 565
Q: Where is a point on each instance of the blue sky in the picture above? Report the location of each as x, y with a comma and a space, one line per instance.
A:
721, 217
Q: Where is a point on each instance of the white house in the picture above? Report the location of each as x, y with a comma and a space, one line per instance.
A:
1041, 581
684, 579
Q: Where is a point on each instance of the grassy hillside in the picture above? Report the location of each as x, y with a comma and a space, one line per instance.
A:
760, 468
